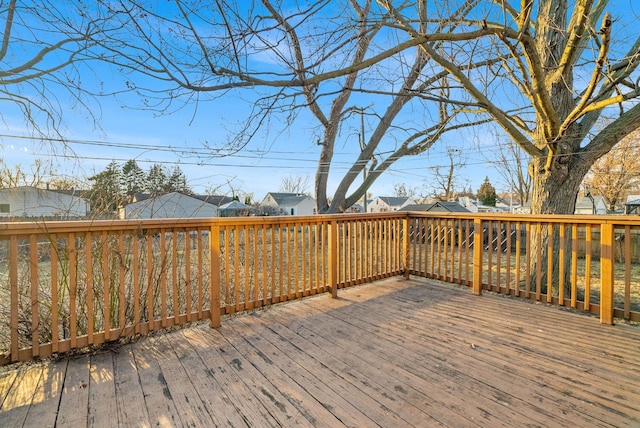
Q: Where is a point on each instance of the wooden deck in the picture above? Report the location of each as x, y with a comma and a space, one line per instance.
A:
392, 353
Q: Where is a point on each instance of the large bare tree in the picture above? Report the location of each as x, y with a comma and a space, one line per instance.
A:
336, 60
545, 71
565, 90
42, 54
563, 65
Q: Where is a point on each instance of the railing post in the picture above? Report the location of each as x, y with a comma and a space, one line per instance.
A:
333, 257
607, 258
13, 281
406, 247
214, 280
477, 256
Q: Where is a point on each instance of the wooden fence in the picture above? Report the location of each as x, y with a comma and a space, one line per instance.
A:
71, 285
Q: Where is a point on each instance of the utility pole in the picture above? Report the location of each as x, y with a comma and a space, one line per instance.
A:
511, 199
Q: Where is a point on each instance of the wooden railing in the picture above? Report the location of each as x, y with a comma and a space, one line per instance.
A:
69, 285
591, 263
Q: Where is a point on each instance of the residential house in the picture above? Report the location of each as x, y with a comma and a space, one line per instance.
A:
235, 209
586, 206
288, 204
30, 202
383, 204
355, 208
632, 206
468, 203
217, 200
489, 209
440, 206
173, 205
506, 205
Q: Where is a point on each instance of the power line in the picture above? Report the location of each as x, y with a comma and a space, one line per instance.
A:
258, 155
220, 152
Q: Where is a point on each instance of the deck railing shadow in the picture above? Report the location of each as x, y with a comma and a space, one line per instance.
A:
69, 285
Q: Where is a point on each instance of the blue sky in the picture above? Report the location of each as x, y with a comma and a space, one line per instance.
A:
181, 137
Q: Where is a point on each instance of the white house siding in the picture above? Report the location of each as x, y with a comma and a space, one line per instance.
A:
585, 206
304, 207
34, 202
269, 201
381, 204
378, 206
290, 203
171, 205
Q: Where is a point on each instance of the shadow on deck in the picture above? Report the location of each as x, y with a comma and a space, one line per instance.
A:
391, 353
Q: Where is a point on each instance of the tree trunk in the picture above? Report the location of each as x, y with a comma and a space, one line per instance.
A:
322, 172
554, 192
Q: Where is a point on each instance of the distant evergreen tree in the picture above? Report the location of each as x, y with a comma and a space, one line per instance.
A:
133, 179
106, 194
116, 186
177, 182
487, 193
157, 180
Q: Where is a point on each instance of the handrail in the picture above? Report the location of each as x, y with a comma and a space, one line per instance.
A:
66, 285
587, 265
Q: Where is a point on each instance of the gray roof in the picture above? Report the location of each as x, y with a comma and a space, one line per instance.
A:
416, 207
235, 205
392, 201
216, 200
633, 200
288, 198
437, 207
79, 193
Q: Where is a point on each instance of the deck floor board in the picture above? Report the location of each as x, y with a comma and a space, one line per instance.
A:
472, 366
392, 353
429, 372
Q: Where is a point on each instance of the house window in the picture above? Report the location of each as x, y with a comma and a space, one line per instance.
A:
5, 208
293, 211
